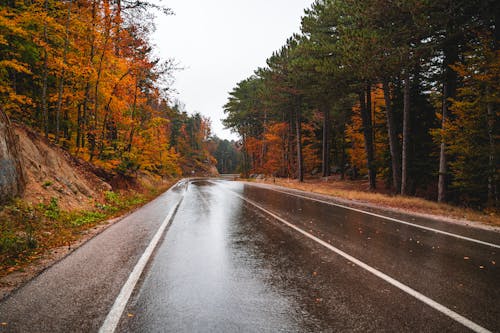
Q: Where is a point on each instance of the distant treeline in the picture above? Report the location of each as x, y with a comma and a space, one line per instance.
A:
402, 91
227, 154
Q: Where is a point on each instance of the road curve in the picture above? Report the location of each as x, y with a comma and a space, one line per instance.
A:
239, 257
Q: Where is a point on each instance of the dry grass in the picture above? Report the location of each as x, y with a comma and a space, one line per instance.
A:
355, 191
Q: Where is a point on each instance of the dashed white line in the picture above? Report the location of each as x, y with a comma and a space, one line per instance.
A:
410, 291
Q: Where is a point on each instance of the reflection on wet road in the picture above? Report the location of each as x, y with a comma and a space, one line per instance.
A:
225, 266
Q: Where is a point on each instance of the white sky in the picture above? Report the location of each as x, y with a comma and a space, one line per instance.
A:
220, 43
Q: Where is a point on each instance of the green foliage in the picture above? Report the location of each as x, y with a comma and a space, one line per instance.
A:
17, 230
47, 183
87, 218
51, 210
117, 201
113, 198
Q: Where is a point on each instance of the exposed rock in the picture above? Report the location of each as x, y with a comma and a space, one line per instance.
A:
12, 178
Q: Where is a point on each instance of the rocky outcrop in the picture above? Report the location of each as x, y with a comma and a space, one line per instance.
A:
12, 179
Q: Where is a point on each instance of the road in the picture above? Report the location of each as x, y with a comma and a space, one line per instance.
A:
236, 257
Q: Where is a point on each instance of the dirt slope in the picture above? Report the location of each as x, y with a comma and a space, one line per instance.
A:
52, 173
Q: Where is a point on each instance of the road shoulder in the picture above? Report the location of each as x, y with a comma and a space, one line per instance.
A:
381, 209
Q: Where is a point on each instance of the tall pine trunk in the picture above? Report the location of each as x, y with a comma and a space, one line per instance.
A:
245, 157
366, 118
443, 163
492, 168
263, 149
325, 165
450, 51
393, 139
492, 164
406, 133
298, 135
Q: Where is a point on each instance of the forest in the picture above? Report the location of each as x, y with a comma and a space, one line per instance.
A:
84, 73
402, 93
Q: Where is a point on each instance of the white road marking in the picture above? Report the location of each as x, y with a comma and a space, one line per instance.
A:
412, 292
389, 218
114, 315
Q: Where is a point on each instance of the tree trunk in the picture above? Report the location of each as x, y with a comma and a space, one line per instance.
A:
298, 135
393, 139
450, 51
134, 106
451, 55
45, 72
79, 126
245, 157
442, 152
107, 111
118, 22
60, 89
290, 152
343, 157
325, 165
264, 143
406, 133
86, 99
492, 166
94, 124
366, 118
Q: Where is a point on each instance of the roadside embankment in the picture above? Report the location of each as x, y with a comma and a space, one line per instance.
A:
66, 202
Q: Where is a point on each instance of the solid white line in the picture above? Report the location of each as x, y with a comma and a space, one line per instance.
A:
441, 308
114, 315
388, 218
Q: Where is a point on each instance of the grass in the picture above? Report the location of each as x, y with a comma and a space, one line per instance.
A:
28, 232
349, 191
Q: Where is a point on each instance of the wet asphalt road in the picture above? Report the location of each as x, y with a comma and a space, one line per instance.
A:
226, 265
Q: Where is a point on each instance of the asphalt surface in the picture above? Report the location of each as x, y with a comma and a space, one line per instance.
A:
245, 258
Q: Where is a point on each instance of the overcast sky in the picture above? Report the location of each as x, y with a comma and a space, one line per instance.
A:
220, 43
